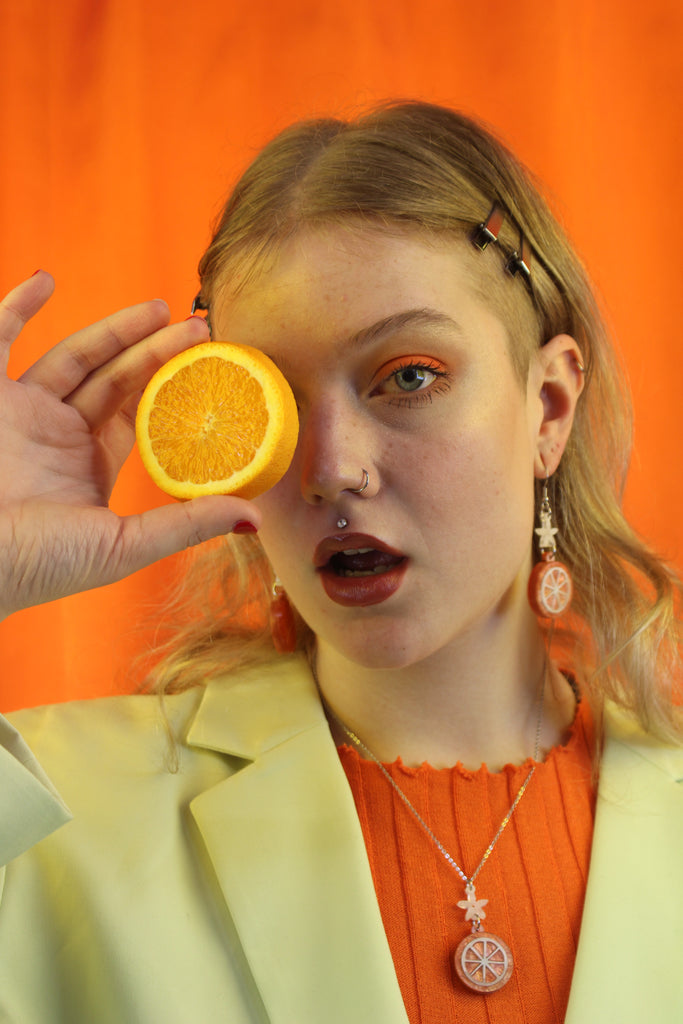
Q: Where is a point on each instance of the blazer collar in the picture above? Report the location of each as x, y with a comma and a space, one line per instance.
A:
254, 711
288, 852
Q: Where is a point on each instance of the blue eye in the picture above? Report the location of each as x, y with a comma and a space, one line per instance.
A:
412, 378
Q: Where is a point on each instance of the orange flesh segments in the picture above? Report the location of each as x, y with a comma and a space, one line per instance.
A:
217, 419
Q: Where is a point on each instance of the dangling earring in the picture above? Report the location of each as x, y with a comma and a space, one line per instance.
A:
550, 583
282, 624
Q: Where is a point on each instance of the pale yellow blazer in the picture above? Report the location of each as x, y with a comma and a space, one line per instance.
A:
237, 889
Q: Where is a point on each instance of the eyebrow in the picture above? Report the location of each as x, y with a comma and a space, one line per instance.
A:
416, 318
397, 322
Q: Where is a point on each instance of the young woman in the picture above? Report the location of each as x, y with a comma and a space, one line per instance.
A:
434, 809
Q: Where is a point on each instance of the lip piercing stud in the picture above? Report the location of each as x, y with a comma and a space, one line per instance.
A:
366, 481
341, 523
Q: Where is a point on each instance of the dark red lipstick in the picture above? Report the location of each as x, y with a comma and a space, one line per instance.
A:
357, 569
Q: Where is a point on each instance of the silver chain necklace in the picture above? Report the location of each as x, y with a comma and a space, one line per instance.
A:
482, 961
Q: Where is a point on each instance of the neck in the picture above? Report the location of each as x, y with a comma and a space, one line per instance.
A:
461, 704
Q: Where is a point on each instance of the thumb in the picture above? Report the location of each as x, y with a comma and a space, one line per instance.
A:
163, 531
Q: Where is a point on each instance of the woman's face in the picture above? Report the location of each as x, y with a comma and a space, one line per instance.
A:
398, 368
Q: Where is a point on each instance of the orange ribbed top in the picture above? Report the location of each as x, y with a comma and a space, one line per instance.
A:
534, 880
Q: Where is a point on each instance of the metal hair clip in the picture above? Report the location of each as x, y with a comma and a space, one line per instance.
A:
489, 229
197, 303
517, 262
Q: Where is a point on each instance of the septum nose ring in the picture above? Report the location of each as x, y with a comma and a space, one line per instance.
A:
363, 486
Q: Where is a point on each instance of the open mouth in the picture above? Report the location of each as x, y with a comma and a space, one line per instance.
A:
359, 570
358, 562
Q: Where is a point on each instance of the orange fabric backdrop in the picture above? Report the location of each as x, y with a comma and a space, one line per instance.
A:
124, 121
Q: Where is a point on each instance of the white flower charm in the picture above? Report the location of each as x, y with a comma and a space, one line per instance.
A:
472, 905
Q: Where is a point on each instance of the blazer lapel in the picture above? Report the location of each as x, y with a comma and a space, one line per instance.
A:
288, 852
628, 965
287, 849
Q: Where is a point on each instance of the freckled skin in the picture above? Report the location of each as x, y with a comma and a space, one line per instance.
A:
451, 473
400, 368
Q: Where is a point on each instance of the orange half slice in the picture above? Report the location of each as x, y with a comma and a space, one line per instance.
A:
217, 419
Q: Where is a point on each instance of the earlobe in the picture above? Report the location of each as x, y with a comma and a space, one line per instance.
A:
561, 372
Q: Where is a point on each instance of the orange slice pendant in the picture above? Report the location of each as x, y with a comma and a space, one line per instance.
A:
483, 962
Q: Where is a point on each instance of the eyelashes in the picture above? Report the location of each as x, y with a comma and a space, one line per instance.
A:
411, 381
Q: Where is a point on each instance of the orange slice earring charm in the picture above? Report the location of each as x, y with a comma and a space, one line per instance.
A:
282, 624
550, 583
550, 587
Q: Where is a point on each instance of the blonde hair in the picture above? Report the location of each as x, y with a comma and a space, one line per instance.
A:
415, 166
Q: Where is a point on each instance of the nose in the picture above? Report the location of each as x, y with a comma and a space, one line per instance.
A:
335, 453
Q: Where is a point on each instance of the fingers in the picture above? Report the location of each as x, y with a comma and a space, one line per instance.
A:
68, 364
119, 383
164, 531
53, 550
17, 308
99, 368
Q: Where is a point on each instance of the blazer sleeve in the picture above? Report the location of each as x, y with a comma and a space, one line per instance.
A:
30, 807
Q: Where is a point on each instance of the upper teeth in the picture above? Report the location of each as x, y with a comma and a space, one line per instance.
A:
357, 551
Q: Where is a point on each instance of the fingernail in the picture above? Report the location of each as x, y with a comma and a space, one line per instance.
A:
36, 271
195, 316
244, 526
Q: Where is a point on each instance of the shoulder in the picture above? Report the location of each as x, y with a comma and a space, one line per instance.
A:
88, 729
641, 775
628, 742
135, 733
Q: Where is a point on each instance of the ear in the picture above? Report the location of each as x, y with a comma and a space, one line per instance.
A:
556, 379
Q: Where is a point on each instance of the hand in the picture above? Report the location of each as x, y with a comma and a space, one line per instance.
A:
67, 426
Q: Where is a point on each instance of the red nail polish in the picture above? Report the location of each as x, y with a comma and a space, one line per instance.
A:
36, 272
244, 526
195, 316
